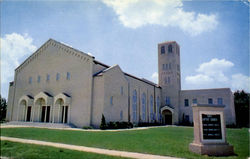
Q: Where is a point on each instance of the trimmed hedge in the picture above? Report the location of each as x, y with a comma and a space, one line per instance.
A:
119, 125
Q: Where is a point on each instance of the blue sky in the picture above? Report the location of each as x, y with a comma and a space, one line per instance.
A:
213, 36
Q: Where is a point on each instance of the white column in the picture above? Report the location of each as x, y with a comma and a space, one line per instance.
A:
59, 107
63, 115
45, 113
53, 115
39, 109
68, 114
32, 112
18, 112
26, 109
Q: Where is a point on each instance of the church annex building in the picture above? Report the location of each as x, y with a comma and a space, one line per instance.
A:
59, 84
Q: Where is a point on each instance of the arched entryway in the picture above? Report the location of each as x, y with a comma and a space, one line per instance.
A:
24, 108
167, 115
43, 110
61, 111
43, 107
61, 108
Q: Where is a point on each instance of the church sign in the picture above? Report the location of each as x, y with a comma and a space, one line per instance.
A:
211, 127
210, 131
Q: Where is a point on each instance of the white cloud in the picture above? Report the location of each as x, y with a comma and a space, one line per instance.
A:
199, 79
240, 82
212, 71
215, 69
212, 74
154, 77
137, 13
13, 48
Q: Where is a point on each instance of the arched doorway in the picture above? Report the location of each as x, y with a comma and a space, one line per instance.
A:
43, 107
61, 111
44, 110
24, 108
167, 117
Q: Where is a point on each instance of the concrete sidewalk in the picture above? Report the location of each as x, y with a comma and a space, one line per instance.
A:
65, 127
88, 149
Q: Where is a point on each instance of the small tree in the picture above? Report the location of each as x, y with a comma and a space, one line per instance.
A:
241, 102
103, 123
3, 108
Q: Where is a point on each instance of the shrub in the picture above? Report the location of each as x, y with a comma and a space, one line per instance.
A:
103, 125
145, 124
87, 127
119, 125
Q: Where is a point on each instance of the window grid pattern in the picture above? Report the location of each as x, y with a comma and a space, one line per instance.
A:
30, 80
143, 101
68, 76
111, 100
134, 106
220, 101
151, 108
57, 76
48, 77
38, 79
158, 107
163, 50
210, 101
170, 48
186, 102
194, 101
167, 102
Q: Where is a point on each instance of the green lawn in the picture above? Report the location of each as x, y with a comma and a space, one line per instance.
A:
28, 151
169, 141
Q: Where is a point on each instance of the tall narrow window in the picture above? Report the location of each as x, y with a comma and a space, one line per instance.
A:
220, 101
68, 76
121, 115
163, 66
151, 108
111, 100
168, 80
210, 101
166, 66
121, 90
38, 79
30, 80
167, 102
134, 106
165, 80
162, 50
186, 102
158, 108
143, 101
170, 66
195, 101
48, 77
57, 76
170, 48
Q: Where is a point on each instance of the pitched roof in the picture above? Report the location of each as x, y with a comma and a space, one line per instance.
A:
48, 42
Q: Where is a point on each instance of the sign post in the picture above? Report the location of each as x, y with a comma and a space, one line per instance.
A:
210, 131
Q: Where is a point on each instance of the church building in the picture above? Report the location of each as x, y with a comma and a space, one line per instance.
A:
59, 84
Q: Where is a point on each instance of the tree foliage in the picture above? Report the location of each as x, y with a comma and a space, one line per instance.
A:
241, 102
3, 108
103, 123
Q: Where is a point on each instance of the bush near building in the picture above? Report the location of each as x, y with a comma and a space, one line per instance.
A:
241, 103
3, 109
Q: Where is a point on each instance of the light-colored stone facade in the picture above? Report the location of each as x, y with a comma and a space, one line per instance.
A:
63, 85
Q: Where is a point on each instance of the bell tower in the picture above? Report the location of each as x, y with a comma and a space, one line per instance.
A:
169, 76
